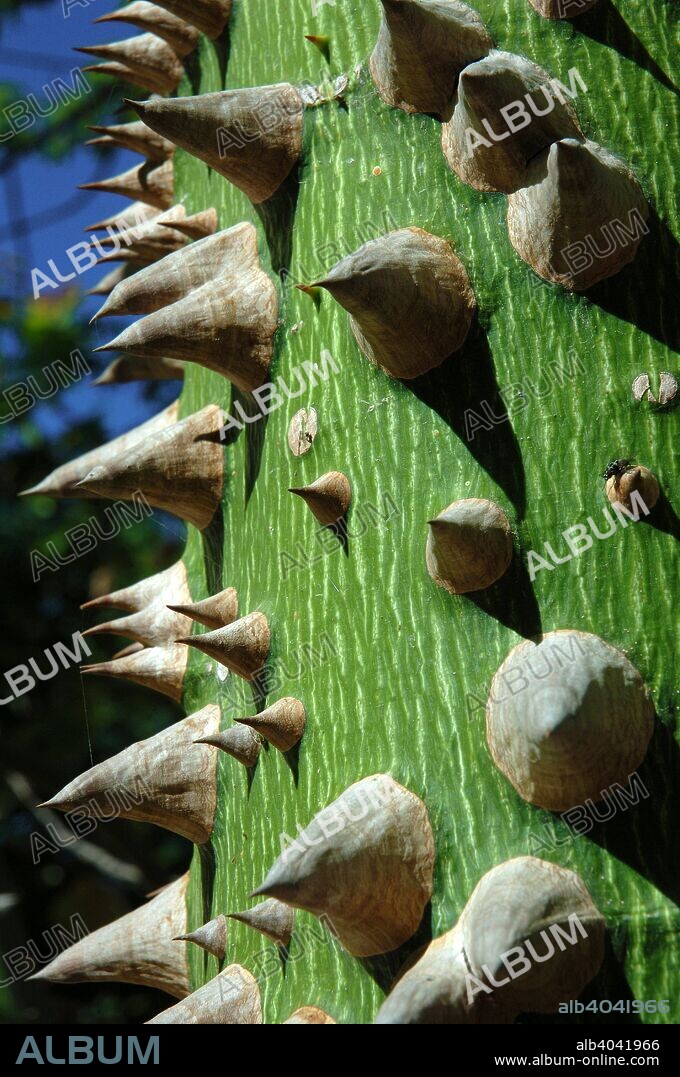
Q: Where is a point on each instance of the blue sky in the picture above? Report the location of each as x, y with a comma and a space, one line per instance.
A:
36, 46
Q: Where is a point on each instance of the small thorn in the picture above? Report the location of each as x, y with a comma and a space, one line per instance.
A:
322, 43
271, 918
211, 937
213, 612
282, 724
469, 546
161, 669
238, 741
328, 497
241, 646
313, 291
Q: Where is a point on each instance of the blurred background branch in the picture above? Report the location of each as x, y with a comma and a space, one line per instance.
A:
49, 733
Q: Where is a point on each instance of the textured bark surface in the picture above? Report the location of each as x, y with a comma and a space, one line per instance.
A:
393, 697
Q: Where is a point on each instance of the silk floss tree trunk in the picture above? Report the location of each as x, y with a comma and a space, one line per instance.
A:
411, 261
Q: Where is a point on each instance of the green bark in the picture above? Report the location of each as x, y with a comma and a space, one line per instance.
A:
404, 691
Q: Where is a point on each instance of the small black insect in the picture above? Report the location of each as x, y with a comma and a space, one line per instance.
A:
615, 468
